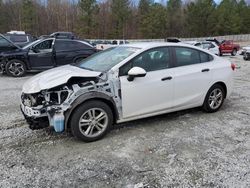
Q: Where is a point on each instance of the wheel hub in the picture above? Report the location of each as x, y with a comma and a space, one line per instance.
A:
93, 122
215, 98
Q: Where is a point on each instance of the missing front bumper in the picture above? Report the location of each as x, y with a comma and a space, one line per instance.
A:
54, 119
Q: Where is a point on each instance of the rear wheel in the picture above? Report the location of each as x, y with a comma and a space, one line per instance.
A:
91, 121
15, 68
214, 98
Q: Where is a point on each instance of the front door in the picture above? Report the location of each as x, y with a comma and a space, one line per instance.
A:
152, 93
41, 55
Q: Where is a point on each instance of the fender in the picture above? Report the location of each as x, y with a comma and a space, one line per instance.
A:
88, 96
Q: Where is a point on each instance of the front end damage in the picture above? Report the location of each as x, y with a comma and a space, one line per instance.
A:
49, 107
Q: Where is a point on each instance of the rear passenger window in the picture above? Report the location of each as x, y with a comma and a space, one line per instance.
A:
186, 56
67, 45
205, 57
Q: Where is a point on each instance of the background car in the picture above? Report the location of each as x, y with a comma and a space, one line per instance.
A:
19, 39
126, 83
7, 45
108, 44
208, 45
63, 35
228, 46
244, 49
45, 54
246, 55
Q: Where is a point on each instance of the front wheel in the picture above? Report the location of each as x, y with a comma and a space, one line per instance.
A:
220, 53
214, 98
91, 121
15, 68
234, 52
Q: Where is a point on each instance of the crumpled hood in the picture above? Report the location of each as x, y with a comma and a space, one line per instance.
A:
55, 77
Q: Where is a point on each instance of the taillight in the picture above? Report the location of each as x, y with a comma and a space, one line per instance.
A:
233, 66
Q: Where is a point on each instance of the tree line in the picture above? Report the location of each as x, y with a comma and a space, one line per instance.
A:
128, 19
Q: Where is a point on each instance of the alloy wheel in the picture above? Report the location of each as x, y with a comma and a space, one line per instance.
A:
16, 69
215, 98
93, 122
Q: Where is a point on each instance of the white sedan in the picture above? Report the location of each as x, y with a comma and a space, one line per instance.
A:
126, 83
208, 45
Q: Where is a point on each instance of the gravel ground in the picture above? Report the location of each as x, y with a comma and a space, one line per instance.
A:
183, 149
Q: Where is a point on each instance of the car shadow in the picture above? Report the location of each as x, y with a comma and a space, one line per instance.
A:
158, 118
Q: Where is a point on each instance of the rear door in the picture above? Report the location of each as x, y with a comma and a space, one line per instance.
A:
192, 77
41, 55
70, 51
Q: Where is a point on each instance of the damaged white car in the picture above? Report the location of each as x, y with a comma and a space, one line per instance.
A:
125, 83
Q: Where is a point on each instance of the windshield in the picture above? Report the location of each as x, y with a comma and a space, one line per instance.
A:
106, 59
30, 44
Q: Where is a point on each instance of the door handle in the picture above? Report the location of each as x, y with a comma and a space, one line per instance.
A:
205, 70
166, 78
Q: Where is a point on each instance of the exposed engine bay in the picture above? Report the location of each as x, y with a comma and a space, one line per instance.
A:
40, 109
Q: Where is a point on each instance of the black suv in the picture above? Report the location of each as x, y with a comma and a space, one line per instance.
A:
19, 39
44, 54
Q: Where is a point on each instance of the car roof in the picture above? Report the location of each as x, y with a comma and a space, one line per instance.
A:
192, 42
77, 40
146, 45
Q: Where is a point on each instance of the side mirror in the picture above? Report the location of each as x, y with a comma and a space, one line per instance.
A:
136, 72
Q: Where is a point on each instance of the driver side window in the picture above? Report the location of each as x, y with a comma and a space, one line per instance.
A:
151, 60
45, 45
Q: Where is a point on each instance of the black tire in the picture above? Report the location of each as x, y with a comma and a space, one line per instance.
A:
15, 68
81, 112
245, 57
220, 53
234, 52
206, 105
